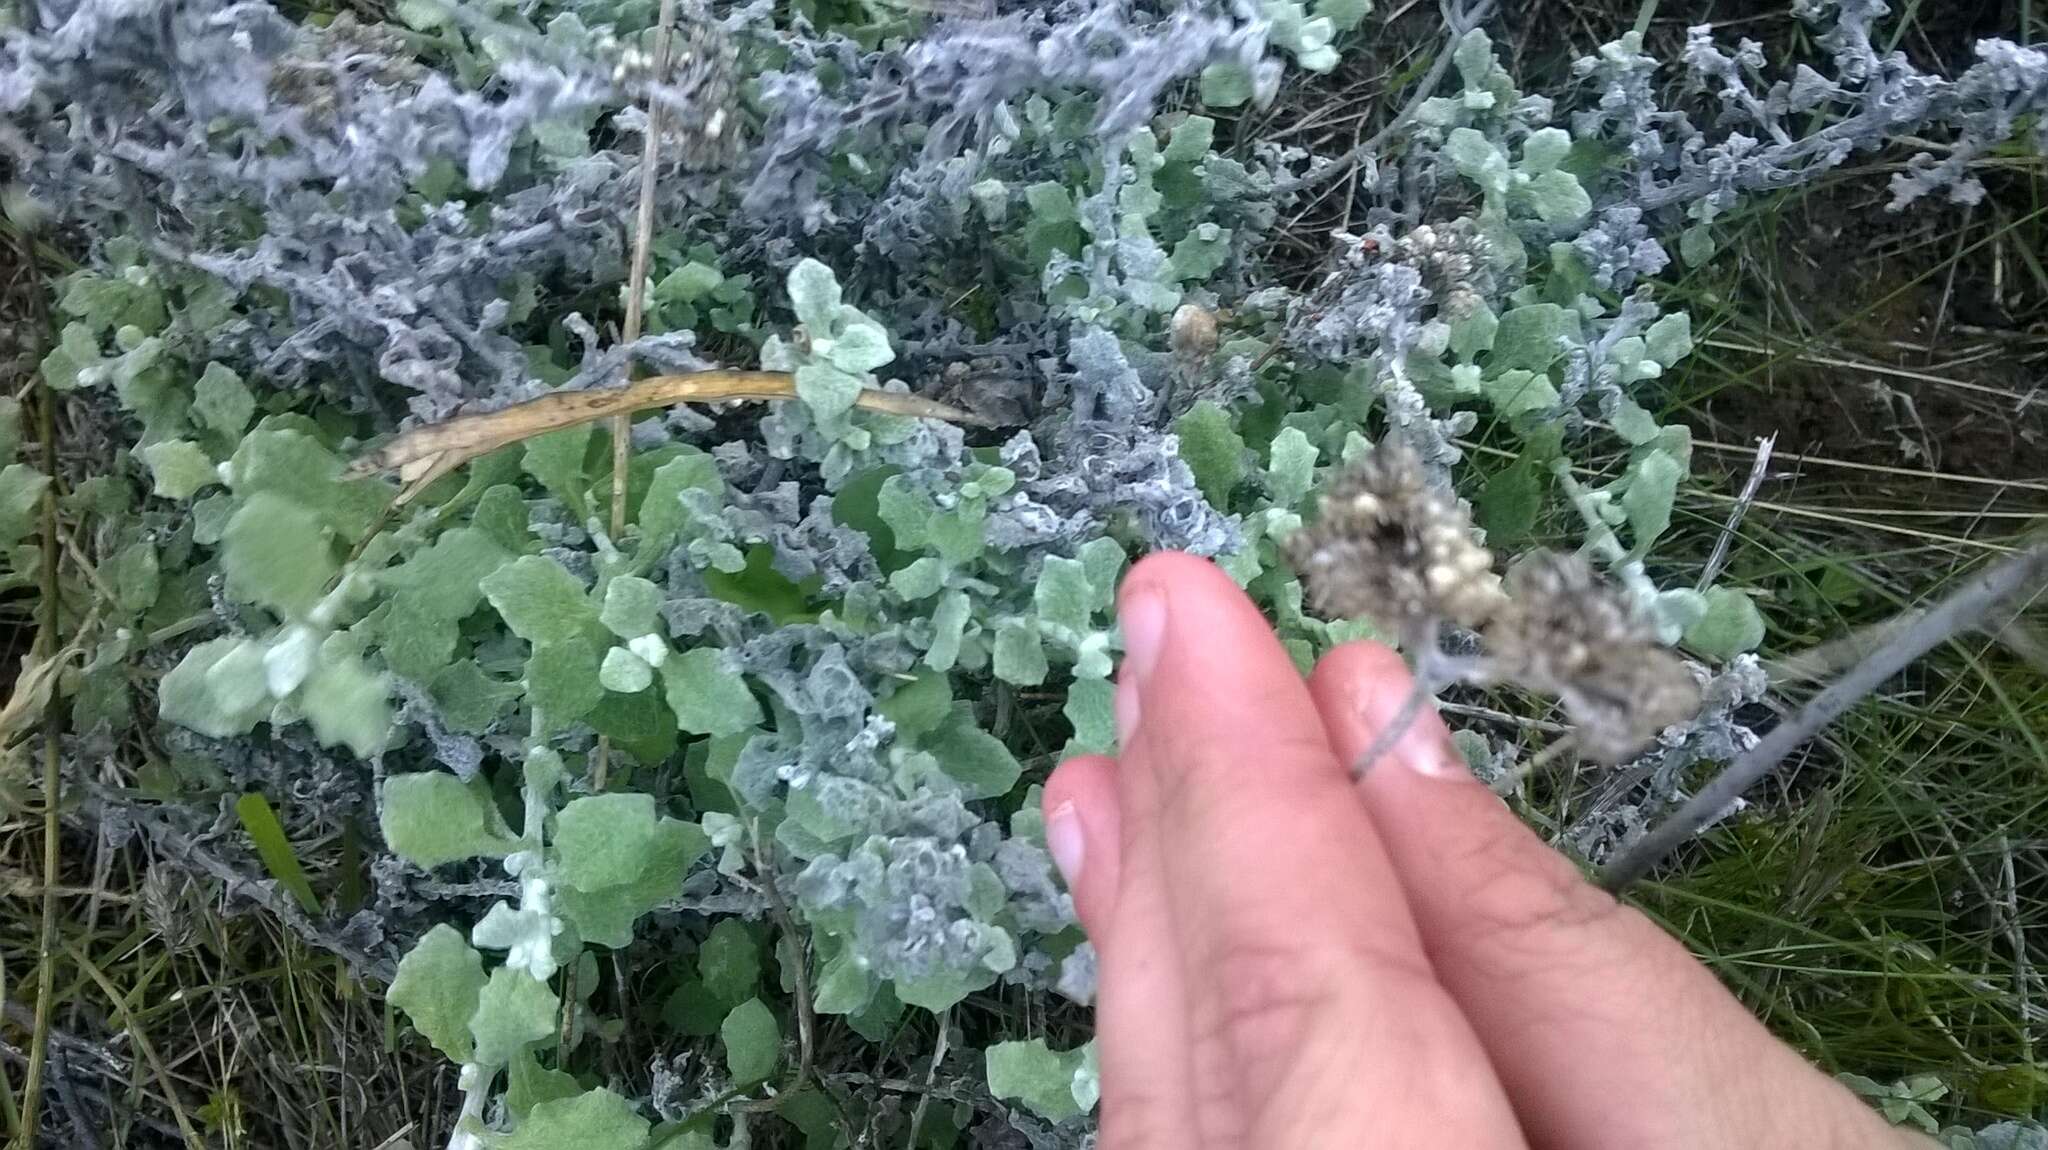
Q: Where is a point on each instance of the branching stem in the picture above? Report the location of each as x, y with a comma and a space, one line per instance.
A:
1457, 22
1960, 611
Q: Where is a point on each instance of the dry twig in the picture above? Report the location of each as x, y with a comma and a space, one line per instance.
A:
425, 454
1960, 611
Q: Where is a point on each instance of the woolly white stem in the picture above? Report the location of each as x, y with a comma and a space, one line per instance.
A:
476, 1088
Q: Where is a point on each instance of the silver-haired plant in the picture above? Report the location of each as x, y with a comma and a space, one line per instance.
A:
829, 651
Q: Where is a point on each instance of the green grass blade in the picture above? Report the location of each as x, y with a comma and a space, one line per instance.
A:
275, 849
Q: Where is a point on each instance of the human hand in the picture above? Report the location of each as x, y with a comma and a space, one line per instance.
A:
1289, 958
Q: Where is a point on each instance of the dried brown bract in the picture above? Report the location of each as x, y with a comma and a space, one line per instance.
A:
1567, 633
1193, 332
1456, 264
1390, 547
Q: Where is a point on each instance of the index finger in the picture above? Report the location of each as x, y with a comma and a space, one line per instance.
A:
1225, 758
1247, 853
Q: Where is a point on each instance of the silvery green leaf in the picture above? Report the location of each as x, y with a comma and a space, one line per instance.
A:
845, 985
1088, 1078
422, 15
1474, 57
347, 703
992, 196
431, 818
513, 1011
217, 689
442, 581
1102, 560
827, 390
1019, 657
1545, 149
624, 672
632, 607
729, 962
604, 840
861, 348
605, 917
1558, 198
1515, 393
526, 934
75, 362
1670, 338
562, 679
1292, 469
661, 511
539, 600
1478, 159
1226, 85
1730, 626
1343, 15
918, 705
222, 401
1198, 254
437, 985
1089, 709
1050, 203
1034, 1074
276, 554
688, 283
21, 492
1473, 332
1533, 337
135, 573
1696, 245
970, 756
708, 697
949, 625
557, 460
1652, 488
814, 296
1065, 597
753, 1042
593, 1120
1634, 424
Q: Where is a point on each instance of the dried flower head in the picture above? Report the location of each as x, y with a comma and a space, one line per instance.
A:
1193, 334
1389, 546
1566, 632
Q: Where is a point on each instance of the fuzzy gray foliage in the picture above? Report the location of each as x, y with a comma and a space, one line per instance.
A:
1638, 793
954, 83
1762, 133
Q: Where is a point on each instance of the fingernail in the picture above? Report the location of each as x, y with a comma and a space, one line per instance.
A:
1415, 747
1437, 760
1143, 615
1065, 842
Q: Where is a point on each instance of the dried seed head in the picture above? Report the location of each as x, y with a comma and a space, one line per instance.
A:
1388, 546
1194, 331
1566, 632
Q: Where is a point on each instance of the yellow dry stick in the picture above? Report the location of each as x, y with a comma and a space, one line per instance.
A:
424, 454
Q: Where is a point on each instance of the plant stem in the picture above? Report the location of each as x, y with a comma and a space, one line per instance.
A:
46, 645
1959, 611
636, 305
1456, 24
806, 1026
